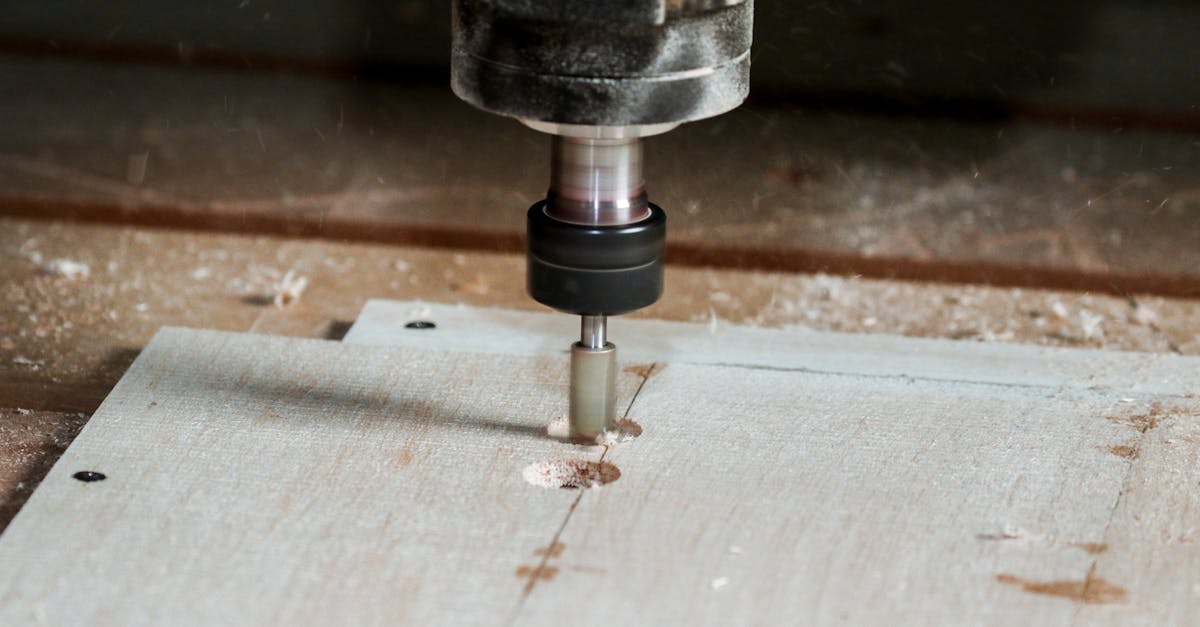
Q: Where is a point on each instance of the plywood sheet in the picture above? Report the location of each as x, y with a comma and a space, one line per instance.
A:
502, 331
261, 480
257, 479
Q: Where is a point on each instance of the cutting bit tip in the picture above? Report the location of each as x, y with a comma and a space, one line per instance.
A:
593, 381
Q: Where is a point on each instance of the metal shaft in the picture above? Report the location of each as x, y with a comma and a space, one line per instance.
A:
593, 331
597, 182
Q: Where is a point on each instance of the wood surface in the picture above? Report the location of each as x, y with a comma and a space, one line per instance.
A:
508, 332
65, 343
756, 493
262, 480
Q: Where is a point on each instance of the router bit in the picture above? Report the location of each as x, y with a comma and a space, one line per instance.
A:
599, 76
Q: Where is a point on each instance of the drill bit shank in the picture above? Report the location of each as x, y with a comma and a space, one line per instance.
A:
593, 396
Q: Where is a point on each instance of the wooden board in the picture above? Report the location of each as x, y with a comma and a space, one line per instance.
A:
508, 332
258, 479
255, 479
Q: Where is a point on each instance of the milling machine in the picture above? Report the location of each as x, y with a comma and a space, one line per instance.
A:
598, 76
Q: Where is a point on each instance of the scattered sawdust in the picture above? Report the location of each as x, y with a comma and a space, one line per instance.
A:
1144, 315
1128, 452
31, 441
559, 429
67, 269
21, 360
571, 473
1089, 324
624, 430
477, 285
289, 289
1152, 417
1092, 590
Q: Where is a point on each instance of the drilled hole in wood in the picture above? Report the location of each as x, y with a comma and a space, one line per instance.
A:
420, 324
624, 430
571, 473
88, 476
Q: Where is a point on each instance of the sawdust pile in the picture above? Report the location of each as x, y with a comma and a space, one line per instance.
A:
570, 473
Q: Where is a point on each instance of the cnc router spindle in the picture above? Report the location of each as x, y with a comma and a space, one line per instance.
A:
599, 76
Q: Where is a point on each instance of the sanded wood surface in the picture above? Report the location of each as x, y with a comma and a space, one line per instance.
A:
253, 479
384, 322
384, 484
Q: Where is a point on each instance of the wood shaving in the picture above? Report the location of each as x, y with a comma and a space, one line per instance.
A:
289, 289
67, 269
623, 430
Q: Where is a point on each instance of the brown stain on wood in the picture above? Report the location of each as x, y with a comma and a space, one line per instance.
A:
404, 457
1095, 548
1091, 590
644, 371
1128, 452
535, 573
571, 473
1152, 417
554, 550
